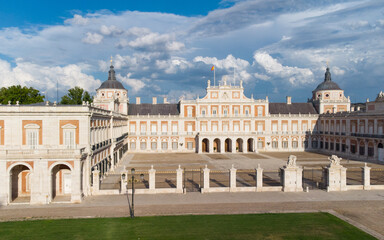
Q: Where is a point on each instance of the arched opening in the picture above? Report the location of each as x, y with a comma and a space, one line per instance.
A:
61, 183
20, 179
380, 152
361, 148
371, 149
216, 145
239, 145
250, 145
205, 145
228, 145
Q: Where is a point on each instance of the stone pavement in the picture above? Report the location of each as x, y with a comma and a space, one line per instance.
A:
362, 208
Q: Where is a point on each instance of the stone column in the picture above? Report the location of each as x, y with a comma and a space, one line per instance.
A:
179, 179
233, 145
259, 179
337, 175
232, 178
96, 181
152, 178
206, 180
4, 186
367, 177
292, 176
76, 182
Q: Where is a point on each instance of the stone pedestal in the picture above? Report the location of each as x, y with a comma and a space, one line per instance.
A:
206, 172
292, 179
367, 177
179, 179
152, 178
232, 184
337, 178
259, 179
95, 181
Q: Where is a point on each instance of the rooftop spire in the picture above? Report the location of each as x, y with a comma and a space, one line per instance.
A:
327, 77
111, 75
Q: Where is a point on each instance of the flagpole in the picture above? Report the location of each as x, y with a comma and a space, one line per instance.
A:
214, 76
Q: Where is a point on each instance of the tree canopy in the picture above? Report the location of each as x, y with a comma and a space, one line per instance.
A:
76, 96
22, 94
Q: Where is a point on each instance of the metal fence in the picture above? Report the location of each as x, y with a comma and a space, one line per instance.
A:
219, 178
314, 178
140, 183
355, 176
271, 178
165, 179
193, 180
246, 178
377, 176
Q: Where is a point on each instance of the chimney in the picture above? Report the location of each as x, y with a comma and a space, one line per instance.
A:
352, 109
154, 100
289, 100
137, 100
165, 100
358, 108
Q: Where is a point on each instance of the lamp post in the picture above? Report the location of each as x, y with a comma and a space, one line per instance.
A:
133, 191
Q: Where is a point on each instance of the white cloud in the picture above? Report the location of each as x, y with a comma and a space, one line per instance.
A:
171, 66
111, 30
92, 38
77, 20
262, 76
229, 62
295, 75
135, 84
45, 78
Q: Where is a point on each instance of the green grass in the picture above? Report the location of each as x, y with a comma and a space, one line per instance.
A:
249, 226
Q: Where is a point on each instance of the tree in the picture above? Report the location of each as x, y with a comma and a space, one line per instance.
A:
76, 96
22, 94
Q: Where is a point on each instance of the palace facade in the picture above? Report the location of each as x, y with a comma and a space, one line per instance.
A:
49, 150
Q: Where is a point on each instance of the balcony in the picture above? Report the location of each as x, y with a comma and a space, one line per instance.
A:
143, 133
366, 135
175, 133
275, 132
42, 152
189, 133
153, 133
164, 133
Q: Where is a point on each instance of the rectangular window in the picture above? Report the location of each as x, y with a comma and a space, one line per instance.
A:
285, 127
295, 144
143, 129
246, 127
294, 127
189, 128
164, 128
214, 112
153, 128
214, 127
305, 127
260, 144
174, 145
132, 128
32, 138
133, 145
190, 145
225, 127
164, 145
69, 138
236, 112
153, 145
285, 144
174, 128
260, 128
204, 127
259, 111
236, 127
189, 112
275, 144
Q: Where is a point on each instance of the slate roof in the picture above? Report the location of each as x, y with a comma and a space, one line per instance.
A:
327, 84
154, 109
294, 108
111, 83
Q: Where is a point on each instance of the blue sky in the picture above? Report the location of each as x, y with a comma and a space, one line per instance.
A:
166, 48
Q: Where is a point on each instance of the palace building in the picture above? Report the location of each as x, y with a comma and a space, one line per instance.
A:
49, 150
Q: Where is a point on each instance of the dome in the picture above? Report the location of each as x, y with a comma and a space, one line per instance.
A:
327, 84
111, 83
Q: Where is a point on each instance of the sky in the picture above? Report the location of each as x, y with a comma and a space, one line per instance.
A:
278, 48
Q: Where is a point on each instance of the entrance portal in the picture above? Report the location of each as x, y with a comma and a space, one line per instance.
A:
20, 183
61, 181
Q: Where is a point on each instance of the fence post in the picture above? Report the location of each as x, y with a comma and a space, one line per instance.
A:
259, 179
232, 184
124, 180
337, 175
206, 180
96, 181
367, 177
292, 176
179, 180
152, 178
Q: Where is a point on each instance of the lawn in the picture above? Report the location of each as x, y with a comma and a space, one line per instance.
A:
249, 226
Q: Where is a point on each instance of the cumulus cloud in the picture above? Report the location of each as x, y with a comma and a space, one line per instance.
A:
294, 75
229, 62
45, 78
135, 84
92, 38
77, 20
152, 42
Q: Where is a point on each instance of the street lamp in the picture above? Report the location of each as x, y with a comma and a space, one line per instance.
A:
133, 190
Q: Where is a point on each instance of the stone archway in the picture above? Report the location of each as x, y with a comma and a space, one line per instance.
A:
61, 182
216, 145
239, 145
250, 145
20, 187
205, 145
228, 145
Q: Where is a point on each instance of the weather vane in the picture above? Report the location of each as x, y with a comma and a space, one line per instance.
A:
327, 63
111, 60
